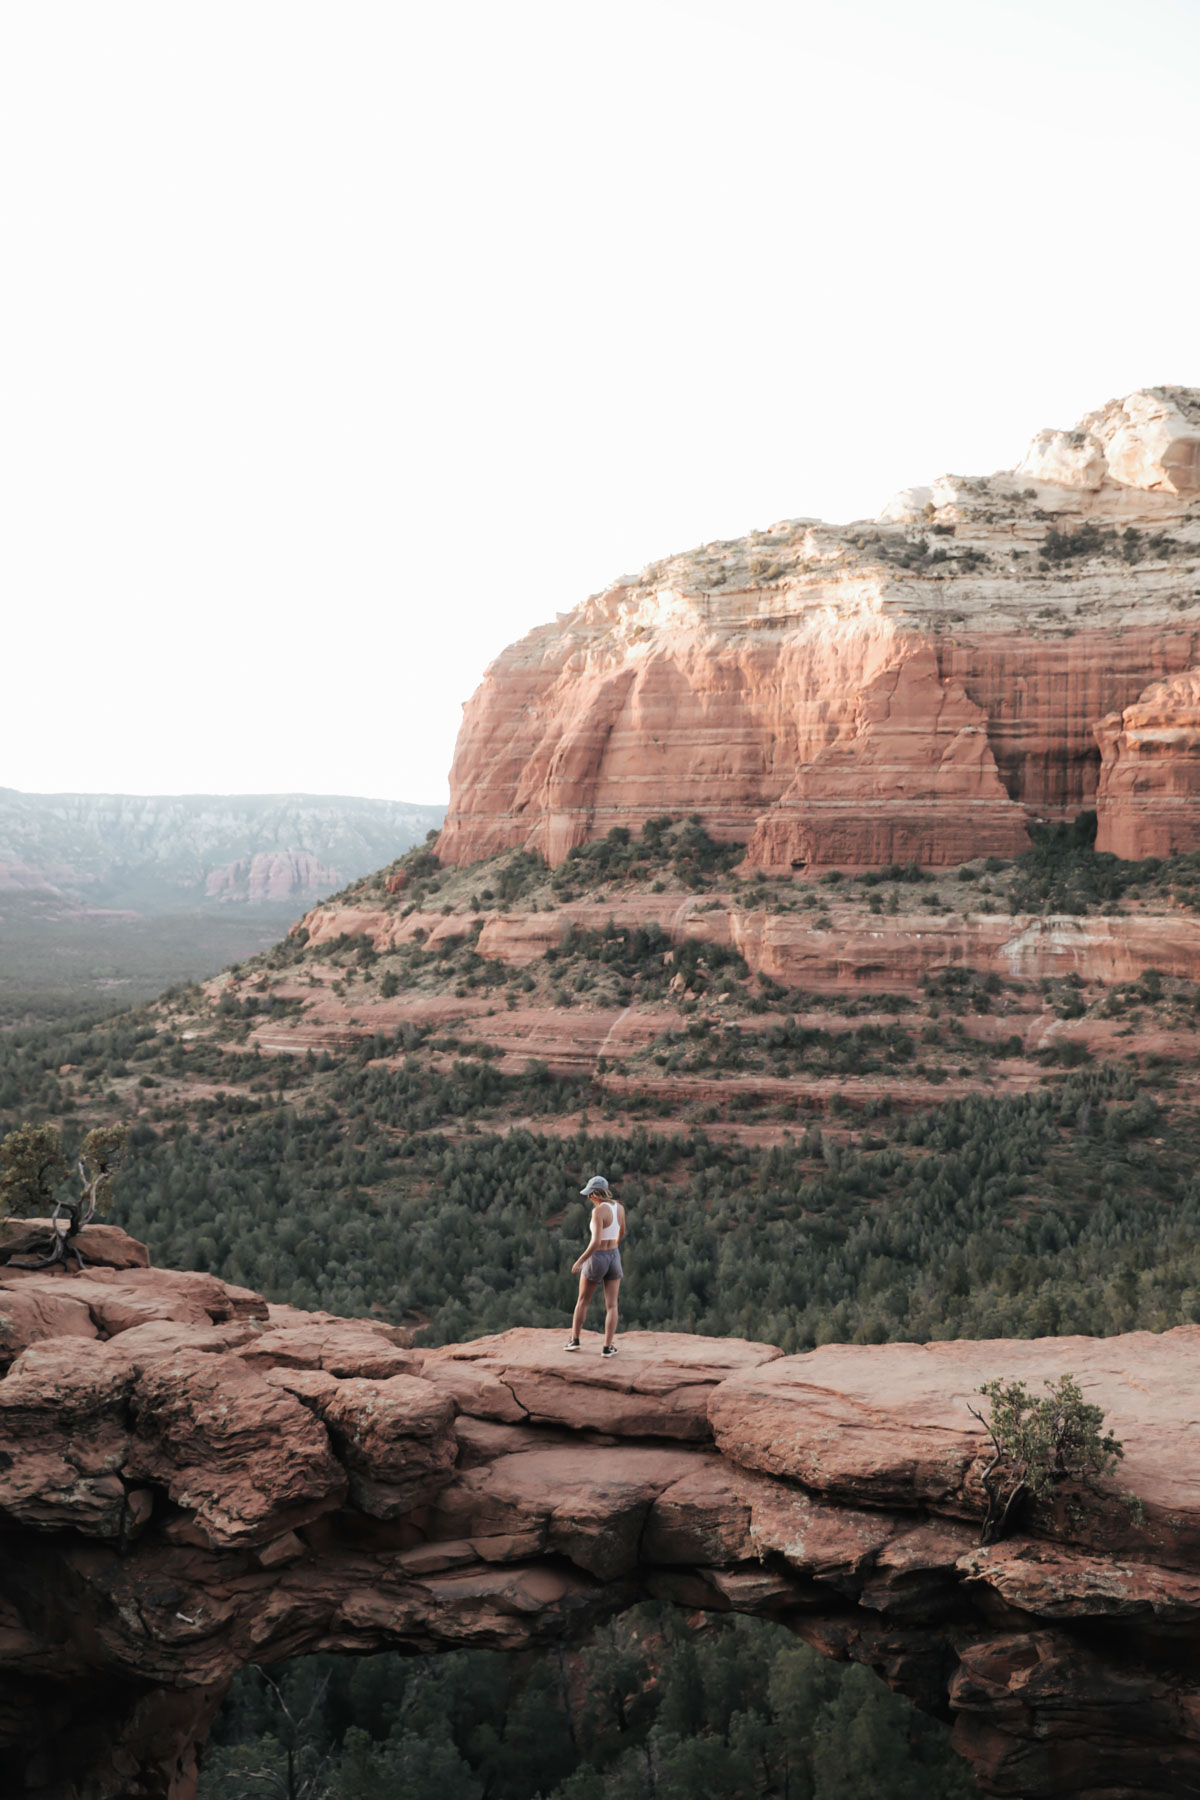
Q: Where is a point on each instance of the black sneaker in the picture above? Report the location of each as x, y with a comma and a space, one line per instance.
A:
608, 1350
571, 1344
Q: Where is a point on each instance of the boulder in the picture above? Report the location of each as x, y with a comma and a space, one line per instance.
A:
103, 1246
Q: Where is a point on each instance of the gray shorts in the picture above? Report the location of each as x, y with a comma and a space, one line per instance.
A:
604, 1265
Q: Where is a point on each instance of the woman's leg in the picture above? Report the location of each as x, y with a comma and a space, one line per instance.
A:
586, 1290
611, 1290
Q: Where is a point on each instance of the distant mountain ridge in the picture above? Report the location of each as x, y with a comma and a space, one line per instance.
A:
160, 852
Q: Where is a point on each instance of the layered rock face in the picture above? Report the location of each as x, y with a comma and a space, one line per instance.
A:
911, 688
842, 951
913, 779
191, 1479
1149, 795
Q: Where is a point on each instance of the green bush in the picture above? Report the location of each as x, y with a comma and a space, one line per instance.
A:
1038, 1443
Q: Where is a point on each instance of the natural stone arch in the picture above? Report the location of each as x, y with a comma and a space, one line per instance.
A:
191, 1481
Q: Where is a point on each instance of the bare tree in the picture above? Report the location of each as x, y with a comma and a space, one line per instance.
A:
285, 1766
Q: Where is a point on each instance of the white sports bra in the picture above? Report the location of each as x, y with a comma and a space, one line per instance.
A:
610, 1233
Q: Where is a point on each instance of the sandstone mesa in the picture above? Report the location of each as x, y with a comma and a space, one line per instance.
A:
191, 1479
914, 688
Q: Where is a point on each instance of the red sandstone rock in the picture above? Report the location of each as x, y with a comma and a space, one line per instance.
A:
64, 1435
475, 1387
184, 1496
394, 1436
103, 1246
331, 1326
1050, 1583
860, 695
246, 1460
341, 1346
717, 1514
862, 1423
879, 954
107, 1301
571, 1500
483, 1440
28, 1313
1007, 1681
243, 1459
518, 941
1148, 800
911, 779
658, 1387
486, 1606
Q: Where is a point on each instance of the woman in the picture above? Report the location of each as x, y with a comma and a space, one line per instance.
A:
600, 1262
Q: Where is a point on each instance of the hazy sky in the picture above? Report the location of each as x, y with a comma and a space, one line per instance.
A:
340, 345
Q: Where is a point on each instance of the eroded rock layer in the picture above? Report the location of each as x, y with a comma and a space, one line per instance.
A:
191, 1479
908, 689
842, 949
1149, 794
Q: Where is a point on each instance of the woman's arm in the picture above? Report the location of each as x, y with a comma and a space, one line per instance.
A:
593, 1242
621, 1218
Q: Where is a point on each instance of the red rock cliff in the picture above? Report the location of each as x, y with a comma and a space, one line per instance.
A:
912, 688
191, 1479
1149, 794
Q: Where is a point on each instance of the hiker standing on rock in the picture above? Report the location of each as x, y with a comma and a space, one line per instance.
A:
600, 1263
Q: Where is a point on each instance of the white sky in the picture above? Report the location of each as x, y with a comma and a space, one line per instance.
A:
342, 344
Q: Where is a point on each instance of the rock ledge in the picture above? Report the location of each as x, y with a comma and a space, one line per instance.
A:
191, 1479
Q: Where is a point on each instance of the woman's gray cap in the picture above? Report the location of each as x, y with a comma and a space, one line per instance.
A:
596, 1185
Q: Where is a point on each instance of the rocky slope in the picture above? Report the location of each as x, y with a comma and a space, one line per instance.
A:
191, 1479
915, 687
160, 852
658, 983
